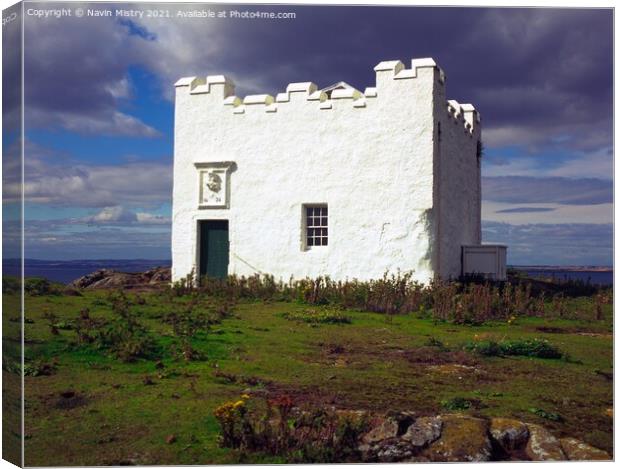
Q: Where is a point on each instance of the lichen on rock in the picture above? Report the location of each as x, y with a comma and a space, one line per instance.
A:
509, 434
423, 431
463, 438
580, 451
542, 445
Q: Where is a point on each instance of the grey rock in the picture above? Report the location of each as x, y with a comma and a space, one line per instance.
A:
509, 434
543, 446
387, 428
423, 431
577, 450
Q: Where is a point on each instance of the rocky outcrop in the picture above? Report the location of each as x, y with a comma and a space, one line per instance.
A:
456, 437
580, 451
105, 278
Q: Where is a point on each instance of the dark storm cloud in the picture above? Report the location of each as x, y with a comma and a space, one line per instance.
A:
540, 244
535, 74
566, 191
11, 70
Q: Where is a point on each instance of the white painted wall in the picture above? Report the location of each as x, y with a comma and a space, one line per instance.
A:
371, 157
458, 191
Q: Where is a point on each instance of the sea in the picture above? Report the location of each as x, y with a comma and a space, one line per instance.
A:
67, 271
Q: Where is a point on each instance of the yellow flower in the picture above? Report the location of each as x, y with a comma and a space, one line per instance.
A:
239, 404
245, 396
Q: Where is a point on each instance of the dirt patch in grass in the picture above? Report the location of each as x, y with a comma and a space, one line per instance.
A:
425, 355
584, 331
304, 396
434, 356
69, 400
551, 330
596, 334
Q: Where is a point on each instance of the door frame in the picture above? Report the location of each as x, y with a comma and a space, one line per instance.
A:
198, 241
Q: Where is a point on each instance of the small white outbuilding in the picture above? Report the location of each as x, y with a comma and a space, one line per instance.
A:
331, 181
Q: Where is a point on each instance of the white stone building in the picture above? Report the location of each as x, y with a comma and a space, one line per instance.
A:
333, 182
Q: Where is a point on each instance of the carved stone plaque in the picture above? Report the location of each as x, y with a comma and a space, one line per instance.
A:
214, 187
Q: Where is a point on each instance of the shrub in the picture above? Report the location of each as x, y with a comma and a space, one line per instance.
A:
434, 342
546, 415
186, 324
186, 285
456, 403
10, 285
279, 428
52, 320
124, 335
87, 329
39, 368
472, 301
538, 348
127, 341
38, 286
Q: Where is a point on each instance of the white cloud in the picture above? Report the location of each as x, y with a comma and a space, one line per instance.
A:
596, 164
150, 219
52, 178
119, 215
116, 214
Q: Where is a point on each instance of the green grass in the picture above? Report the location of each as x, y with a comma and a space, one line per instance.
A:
318, 316
369, 363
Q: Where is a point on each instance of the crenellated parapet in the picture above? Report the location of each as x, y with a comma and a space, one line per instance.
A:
464, 115
390, 76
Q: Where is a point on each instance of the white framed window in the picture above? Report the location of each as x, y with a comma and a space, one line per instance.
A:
315, 225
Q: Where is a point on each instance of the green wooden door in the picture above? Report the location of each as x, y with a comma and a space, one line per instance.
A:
214, 248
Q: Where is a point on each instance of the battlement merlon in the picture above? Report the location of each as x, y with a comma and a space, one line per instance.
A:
217, 85
391, 70
466, 114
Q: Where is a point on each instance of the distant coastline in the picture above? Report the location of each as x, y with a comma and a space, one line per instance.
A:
65, 271
563, 268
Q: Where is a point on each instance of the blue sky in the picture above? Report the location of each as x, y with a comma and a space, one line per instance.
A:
99, 114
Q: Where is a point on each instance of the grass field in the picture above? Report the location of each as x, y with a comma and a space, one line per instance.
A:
86, 407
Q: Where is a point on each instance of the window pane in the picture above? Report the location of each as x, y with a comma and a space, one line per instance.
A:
316, 225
